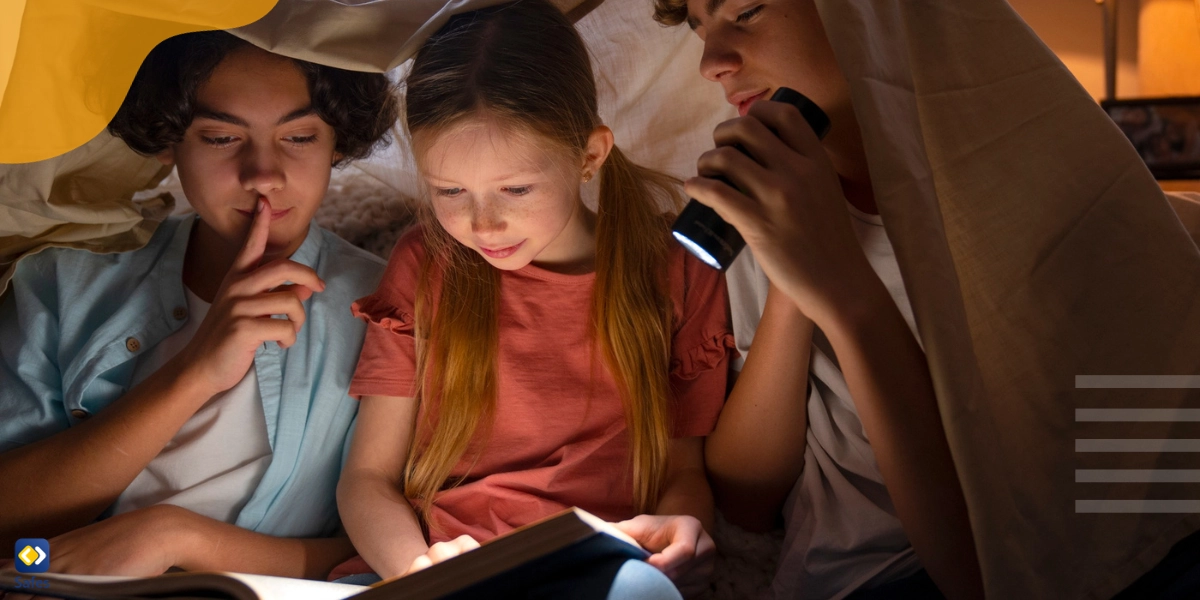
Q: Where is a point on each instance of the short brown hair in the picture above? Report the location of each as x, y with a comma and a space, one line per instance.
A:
670, 12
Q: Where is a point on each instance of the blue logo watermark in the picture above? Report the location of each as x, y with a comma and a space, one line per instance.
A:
32, 555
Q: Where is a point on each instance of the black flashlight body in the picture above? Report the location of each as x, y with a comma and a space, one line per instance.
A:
707, 235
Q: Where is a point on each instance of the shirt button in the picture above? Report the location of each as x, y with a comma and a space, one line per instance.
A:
79, 413
180, 313
132, 345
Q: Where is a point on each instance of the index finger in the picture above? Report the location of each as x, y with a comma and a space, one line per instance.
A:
256, 240
787, 123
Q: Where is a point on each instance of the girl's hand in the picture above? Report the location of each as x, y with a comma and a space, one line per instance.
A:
682, 549
793, 212
239, 320
141, 543
443, 551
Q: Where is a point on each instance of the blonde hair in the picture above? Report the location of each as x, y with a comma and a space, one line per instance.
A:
523, 65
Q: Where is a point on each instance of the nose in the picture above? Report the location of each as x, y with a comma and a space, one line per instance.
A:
719, 60
262, 169
486, 217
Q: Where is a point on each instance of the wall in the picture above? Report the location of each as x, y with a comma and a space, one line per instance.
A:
1074, 30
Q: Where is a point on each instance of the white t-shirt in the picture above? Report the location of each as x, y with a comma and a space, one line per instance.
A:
216, 460
842, 531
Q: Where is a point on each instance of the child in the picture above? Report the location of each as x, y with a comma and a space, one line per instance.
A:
552, 356
834, 298
969, 157
158, 388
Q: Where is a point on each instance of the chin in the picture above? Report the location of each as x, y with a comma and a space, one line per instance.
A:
511, 263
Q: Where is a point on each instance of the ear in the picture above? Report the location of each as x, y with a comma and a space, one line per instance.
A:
599, 144
167, 157
337, 158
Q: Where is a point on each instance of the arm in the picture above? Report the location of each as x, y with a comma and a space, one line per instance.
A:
686, 490
794, 218
218, 546
80, 471
148, 541
756, 451
678, 532
890, 385
75, 474
377, 516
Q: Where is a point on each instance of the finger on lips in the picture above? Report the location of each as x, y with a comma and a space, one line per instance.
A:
256, 239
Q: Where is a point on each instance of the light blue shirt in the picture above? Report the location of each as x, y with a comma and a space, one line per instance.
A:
75, 322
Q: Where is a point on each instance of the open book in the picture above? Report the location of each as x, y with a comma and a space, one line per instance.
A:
502, 566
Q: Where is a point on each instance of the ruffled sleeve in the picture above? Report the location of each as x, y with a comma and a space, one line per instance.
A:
381, 313
388, 361
701, 347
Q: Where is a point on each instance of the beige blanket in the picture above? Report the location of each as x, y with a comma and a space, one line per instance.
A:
1035, 247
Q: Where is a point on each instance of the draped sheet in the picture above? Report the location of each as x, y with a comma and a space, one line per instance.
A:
1035, 247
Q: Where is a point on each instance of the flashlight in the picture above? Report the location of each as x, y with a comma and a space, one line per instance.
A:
707, 235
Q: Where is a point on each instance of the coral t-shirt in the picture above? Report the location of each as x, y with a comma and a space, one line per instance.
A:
558, 438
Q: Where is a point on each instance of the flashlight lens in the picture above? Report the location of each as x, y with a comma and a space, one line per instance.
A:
696, 250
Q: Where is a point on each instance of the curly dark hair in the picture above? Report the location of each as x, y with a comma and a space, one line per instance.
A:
160, 105
670, 12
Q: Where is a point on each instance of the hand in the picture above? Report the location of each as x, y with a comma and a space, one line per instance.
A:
442, 551
239, 320
141, 543
681, 549
793, 212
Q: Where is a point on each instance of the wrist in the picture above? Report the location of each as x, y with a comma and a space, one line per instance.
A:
184, 377
176, 530
867, 312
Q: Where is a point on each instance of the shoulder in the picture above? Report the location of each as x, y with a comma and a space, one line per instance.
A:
76, 268
407, 260
352, 270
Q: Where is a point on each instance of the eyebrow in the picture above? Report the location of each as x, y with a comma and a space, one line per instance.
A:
205, 113
507, 177
710, 7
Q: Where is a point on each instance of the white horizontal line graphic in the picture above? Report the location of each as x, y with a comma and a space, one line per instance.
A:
1138, 445
1137, 506
1137, 414
1140, 382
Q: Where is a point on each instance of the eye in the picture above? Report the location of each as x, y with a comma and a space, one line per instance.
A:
219, 141
449, 192
517, 190
300, 140
746, 15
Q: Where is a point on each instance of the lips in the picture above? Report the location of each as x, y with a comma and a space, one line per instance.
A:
503, 252
743, 100
275, 214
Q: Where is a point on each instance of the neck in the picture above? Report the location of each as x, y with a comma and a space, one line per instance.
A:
210, 256
573, 252
845, 147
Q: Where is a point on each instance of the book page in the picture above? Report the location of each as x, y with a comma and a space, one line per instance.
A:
220, 585
284, 588
605, 527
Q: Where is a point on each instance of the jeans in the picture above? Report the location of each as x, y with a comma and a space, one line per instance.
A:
606, 579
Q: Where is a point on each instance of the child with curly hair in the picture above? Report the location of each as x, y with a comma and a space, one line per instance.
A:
189, 399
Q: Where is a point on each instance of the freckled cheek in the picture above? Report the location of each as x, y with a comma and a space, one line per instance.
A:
455, 218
